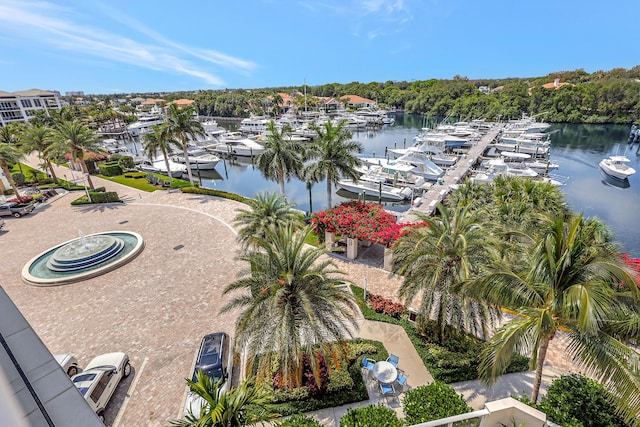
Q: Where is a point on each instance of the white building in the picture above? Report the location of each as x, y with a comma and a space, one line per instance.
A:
20, 106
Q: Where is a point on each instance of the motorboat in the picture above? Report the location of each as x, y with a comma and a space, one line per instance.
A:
538, 165
159, 166
254, 124
422, 165
616, 167
433, 152
390, 173
144, 124
198, 159
511, 168
375, 188
234, 144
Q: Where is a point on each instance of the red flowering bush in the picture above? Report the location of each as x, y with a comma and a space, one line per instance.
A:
380, 304
634, 265
358, 220
21, 199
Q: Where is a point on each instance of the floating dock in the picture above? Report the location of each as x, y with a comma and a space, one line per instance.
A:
455, 174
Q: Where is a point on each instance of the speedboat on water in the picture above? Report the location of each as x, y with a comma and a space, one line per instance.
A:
159, 166
199, 159
616, 167
234, 144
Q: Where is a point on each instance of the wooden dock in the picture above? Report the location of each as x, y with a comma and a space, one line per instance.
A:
427, 203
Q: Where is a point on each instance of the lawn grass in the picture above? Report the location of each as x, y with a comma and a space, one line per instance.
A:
137, 180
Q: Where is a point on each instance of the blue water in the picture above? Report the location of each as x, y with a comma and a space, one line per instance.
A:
576, 148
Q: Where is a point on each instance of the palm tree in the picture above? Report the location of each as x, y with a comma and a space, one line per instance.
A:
282, 157
247, 404
294, 302
435, 260
268, 210
567, 282
334, 155
74, 136
160, 140
184, 125
38, 137
10, 134
9, 153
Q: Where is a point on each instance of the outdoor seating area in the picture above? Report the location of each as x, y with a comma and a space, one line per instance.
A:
390, 379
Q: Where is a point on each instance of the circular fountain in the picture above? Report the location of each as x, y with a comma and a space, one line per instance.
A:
82, 258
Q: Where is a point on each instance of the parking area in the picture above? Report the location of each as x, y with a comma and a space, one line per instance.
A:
157, 308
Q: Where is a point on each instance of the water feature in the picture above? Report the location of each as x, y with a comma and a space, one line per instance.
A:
82, 258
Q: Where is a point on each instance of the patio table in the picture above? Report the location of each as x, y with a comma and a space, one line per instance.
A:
385, 372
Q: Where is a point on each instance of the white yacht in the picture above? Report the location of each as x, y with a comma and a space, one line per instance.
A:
159, 166
435, 153
199, 159
254, 124
538, 165
375, 189
144, 124
616, 167
234, 144
422, 165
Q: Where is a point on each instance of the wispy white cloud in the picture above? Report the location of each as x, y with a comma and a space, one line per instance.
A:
60, 28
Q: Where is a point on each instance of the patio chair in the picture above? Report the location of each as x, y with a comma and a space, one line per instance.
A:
368, 364
402, 379
394, 360
387, 389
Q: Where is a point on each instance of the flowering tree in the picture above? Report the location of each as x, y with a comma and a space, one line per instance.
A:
358, 220
634, 265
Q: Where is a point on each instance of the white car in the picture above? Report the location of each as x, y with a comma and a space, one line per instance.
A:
216, 360
100, 378
68, 363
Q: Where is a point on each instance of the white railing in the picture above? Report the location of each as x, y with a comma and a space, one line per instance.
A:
449, 421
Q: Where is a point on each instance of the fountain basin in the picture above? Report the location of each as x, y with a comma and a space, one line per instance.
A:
82, 258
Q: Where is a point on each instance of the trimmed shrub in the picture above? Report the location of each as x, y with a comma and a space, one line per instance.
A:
104, 197
576, 401
99, 190
217, 193
135, 175
18, 179
126, 162
110, 169
431, 402
370, 416
300, 420
339, 379
380, 304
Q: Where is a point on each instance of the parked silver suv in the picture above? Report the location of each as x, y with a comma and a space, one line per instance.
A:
15, 209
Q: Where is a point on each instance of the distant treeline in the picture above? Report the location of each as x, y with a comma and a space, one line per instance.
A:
600, 97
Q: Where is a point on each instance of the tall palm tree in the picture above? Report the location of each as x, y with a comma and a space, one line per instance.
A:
38, 137
74, 136
184, 125
568, 282
282, 157
293, 302
9, 153
334, 155
435, 260
160, 140
245, 405
267, 210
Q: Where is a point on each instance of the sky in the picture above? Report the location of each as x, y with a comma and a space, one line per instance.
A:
129, 46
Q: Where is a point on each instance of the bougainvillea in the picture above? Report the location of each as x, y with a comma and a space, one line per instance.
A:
363, 221
634, 265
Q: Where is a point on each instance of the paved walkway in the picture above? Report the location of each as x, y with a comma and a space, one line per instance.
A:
158, 307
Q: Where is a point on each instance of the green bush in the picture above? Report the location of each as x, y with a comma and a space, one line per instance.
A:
431, 402
370, 416
105, 197
99, 190
18, 178
135, 175
576, 401
110, 169
300, 420
339, 379
126, 163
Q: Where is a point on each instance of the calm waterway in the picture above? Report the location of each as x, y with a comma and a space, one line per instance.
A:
576, 148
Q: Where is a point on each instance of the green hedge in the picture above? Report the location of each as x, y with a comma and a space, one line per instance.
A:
106, 197
432, 402
370, 416
217, 193
110, 169
299, 420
